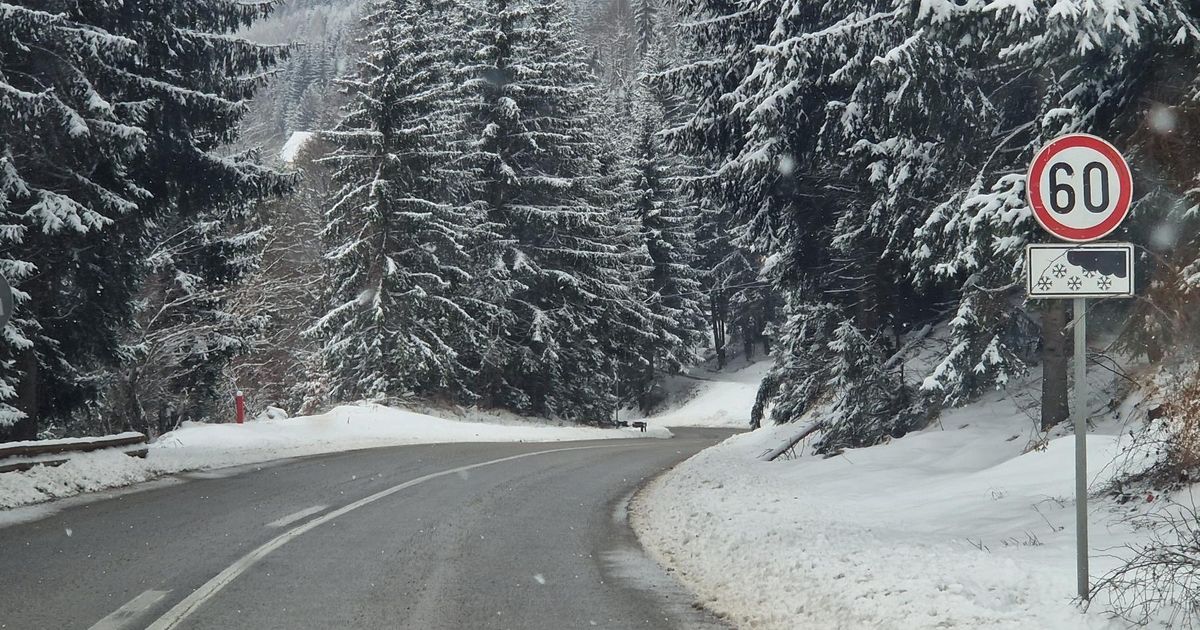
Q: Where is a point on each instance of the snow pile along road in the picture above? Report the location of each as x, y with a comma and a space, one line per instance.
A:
957, 526
207, 446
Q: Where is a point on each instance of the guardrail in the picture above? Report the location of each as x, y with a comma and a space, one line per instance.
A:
15, 456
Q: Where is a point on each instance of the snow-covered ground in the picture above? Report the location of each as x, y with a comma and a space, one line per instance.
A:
208, 446
712, 399
962, 525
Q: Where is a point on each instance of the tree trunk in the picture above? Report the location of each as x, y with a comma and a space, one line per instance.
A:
27, 398
1055, 406
718, 326
645, 401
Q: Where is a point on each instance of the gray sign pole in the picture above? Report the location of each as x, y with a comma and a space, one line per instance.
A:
1079, 411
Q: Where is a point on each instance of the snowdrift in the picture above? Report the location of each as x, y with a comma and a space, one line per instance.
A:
967, 524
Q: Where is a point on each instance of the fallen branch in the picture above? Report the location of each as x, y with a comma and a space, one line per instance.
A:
808, 430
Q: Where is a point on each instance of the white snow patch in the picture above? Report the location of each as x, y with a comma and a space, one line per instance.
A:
295, 143
956, 526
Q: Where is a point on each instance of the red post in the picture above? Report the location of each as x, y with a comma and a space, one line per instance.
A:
241, 407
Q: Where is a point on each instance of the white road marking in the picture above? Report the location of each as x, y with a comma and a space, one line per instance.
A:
292, 518
214, 586
129, 612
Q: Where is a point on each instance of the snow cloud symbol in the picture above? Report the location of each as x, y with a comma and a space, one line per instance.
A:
1103, 262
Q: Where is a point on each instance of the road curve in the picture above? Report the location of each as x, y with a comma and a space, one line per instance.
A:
431, 537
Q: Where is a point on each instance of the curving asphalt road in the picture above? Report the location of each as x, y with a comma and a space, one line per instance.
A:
432, 537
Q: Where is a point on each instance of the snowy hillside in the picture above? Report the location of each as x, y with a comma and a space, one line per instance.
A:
966, 524
712, 399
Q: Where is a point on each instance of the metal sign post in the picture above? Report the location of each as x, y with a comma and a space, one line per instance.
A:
1079, 413
1080, 189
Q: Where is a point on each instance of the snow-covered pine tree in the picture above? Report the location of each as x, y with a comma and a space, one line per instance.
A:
184, 333
112, 112
876, 153
645, 24
718, 39
673, 284
553, 262
869, 397
399, 313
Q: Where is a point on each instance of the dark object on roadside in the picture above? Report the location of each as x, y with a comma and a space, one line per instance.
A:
622, 423
639, 425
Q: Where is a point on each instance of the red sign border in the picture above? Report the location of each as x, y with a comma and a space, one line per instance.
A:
1046, 219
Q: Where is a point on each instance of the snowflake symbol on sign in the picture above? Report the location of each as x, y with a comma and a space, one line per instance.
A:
1104, 283
1089, 274
1074, 283
1059, 270
1044, 283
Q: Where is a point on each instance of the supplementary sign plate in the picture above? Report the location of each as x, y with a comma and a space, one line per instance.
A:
1079, 271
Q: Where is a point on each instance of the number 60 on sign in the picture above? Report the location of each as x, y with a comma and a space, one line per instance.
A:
1080, 188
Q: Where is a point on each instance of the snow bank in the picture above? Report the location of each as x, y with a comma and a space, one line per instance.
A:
207, 446
961, 525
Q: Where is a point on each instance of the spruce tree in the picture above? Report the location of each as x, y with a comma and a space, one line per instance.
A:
398, 310
673, 285
112, 116
552, 263
645, 23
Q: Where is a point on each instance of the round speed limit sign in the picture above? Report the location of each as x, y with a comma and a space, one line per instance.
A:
1080, 188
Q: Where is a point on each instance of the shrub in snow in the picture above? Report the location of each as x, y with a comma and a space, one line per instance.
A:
1164, 453
870, 400
1160, 577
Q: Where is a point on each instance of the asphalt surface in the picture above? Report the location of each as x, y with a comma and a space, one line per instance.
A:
431, 537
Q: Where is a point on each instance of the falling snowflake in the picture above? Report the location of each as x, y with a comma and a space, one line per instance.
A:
1089, 274
1074, 283
1059, 270
1044, 283
1104, 283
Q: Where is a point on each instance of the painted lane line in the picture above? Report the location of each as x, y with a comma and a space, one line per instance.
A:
302, 514
210, 588
121, 617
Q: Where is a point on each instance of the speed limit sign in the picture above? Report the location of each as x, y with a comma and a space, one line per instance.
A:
1079, 187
